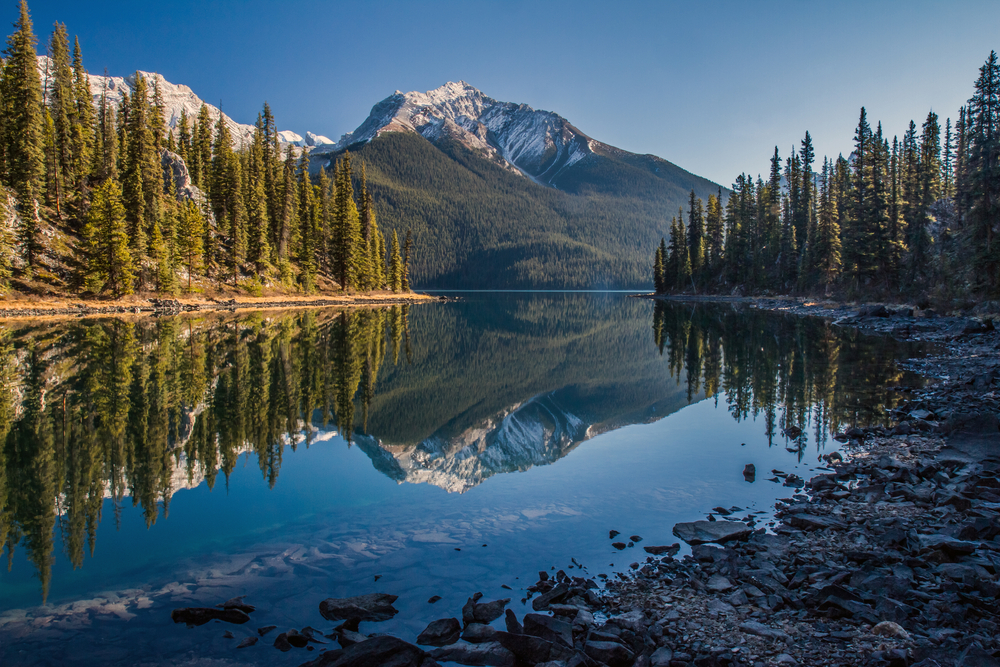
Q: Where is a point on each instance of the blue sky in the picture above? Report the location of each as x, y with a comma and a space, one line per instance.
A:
711, 86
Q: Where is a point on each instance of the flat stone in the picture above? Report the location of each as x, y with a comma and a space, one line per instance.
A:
441, 632
659, 551
761, 630
248, 641
555, 595
531, 649
701, 532
947, 544
661, 657
719, 583
371, 607
549, 628
489, 654
805, 521
477, 633
612, 654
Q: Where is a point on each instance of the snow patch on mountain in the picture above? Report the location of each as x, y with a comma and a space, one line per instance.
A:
541, 144
317, 140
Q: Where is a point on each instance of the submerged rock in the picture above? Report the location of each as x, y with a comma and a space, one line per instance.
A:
489, 654
371, 607
202, 615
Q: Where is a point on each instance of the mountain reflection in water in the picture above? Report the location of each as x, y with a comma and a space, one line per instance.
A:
97, 411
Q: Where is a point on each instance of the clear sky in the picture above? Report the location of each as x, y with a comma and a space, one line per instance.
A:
711, 86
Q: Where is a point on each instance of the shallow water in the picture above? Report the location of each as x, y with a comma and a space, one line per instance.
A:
180, 461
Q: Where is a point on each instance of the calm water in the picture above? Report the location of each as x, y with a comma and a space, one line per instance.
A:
445, 449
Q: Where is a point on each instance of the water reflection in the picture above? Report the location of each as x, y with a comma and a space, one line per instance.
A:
96, 412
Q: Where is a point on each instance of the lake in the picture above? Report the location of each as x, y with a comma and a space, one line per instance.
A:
432, 450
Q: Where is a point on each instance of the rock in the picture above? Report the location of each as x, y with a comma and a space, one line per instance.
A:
248, 641
202, 615
612, 654
347, 637
266, 629
228, 635
555, 595
761, 630
806, 521
531, 649
549, 628
490, 654
513, 627
477, 633
613, 534
785, 659
433, 599
659, 551
750, 472
619, 545
793, 432
237, 603
295, 639
701, 532
282, 644
636, 538
382, 651
441, 632
661, 657
469, 612
719, 583
738, 599
489, 611
583, 620
890, 629
371, 607
949, 545
874, 311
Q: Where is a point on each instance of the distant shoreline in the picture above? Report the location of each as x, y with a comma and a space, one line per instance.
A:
35, 307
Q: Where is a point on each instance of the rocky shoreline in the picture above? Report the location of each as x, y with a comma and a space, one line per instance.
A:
175, 306
889, 557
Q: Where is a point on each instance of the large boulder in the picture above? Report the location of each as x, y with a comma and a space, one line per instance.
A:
702, 532
371, 607
382, 651
441, 632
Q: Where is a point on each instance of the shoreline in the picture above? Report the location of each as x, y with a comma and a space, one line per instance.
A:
59, 307
890, 557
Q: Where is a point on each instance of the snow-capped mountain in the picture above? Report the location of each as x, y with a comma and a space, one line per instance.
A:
178, 97
540, 144
536, 432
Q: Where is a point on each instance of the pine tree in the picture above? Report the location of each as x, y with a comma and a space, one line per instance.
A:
395, 265
308, 233
106, 141
947, 163
346, 226
190, 242
21, 92
858, 255
109, 262
983, 178
826, 244
287, 228
695, 236
184, 136
62, 108
714, 233
658, 268
83, 129
407, 247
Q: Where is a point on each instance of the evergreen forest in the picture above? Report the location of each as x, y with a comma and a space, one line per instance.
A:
911, 217
105, 199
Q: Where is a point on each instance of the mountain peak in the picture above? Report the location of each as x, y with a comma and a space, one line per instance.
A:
539, 144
